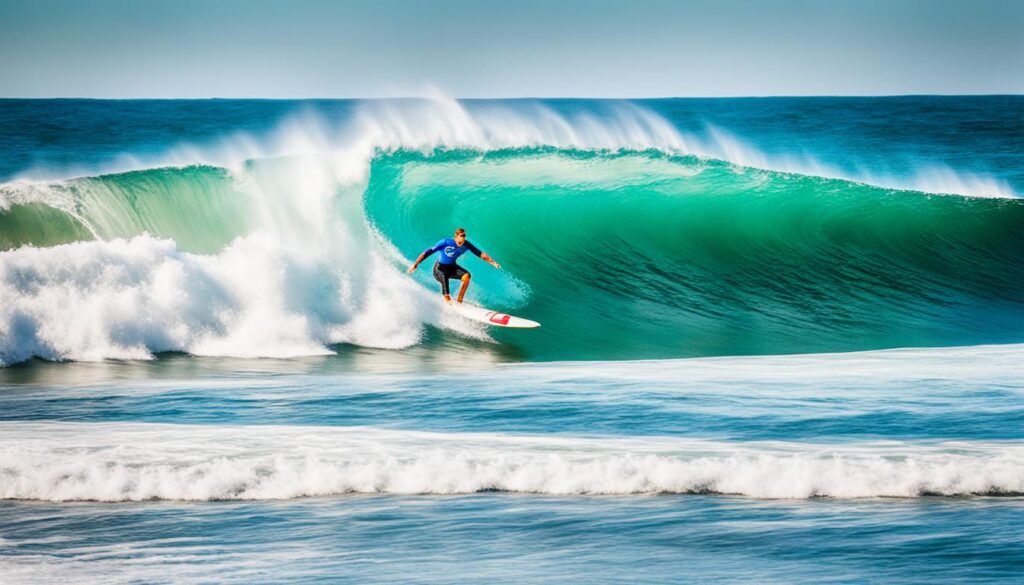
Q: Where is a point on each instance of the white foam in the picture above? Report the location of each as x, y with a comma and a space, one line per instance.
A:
59, 461
124, 299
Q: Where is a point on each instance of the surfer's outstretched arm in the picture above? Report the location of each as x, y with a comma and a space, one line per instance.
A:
489, 260
416, 264
426, 253
483, 255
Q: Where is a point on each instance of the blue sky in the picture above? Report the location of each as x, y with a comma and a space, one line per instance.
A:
597, 48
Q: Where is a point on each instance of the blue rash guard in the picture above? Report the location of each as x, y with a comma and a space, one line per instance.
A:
450, 252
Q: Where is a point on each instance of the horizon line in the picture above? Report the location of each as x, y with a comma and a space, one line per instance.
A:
553, 97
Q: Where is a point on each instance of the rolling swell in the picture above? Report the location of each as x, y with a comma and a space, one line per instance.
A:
620, 254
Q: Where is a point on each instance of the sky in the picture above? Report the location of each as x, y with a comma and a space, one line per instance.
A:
520, 48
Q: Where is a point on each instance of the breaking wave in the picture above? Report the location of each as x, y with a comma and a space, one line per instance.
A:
624, 237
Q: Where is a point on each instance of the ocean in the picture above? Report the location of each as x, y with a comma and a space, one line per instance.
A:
781, 341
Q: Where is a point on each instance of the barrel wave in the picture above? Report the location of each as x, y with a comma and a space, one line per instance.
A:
648, 255
621, 253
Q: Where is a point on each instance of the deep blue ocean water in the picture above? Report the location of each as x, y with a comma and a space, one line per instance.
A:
782, 341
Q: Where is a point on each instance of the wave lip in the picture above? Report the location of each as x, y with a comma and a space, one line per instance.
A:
439, 122
132, 462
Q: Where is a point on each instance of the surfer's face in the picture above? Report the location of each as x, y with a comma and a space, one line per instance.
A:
460, 239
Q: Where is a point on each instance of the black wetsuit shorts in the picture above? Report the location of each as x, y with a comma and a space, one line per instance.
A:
444, 272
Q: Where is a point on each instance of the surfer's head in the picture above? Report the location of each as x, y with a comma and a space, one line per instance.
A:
460, 236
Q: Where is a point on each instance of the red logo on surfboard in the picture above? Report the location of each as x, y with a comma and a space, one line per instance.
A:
499, 318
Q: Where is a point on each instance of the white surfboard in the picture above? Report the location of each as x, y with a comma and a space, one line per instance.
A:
490, 317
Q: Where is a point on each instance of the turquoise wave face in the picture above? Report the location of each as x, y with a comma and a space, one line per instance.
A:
618, 255
647, 255
199, 207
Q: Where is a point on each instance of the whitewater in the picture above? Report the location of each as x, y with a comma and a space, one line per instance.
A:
133, 462
775, 331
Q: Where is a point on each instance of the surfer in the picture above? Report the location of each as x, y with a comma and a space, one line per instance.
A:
446, 268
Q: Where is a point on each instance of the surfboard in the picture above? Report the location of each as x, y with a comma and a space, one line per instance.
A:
490, 317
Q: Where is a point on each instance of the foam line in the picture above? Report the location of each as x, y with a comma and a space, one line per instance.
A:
132, 461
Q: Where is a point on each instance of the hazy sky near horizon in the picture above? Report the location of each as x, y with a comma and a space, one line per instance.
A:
525, 48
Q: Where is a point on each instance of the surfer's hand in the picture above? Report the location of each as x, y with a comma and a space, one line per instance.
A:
412, 269
495, 264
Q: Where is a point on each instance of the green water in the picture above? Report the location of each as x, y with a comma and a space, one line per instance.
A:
655, 256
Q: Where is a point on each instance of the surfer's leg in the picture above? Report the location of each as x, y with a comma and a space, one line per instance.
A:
465, 284
441, 277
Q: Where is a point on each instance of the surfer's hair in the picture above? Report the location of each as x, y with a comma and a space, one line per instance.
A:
460, 232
